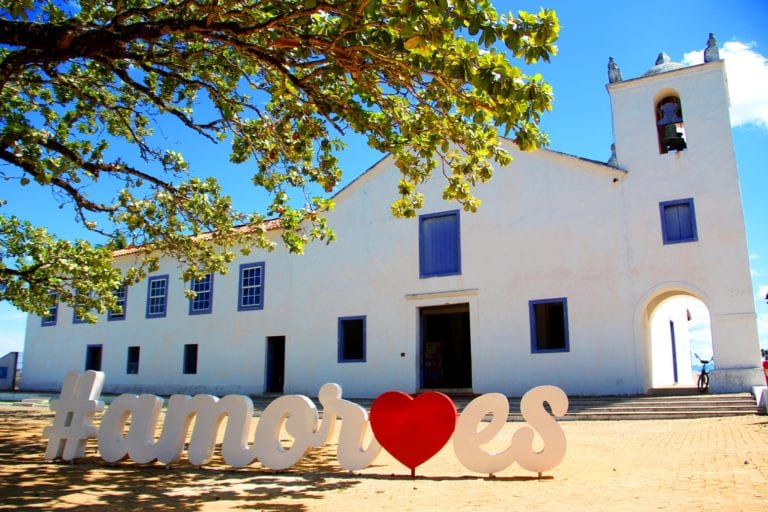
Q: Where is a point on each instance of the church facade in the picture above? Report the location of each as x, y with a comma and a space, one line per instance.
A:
554, 280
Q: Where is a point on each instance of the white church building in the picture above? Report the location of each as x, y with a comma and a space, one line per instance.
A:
555, 280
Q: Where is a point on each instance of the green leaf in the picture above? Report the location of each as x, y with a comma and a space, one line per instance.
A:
413, 42
409, 77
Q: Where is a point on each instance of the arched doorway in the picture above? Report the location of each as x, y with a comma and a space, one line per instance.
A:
679, 329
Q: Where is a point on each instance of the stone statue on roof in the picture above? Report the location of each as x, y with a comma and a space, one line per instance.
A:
711, 53
614, 73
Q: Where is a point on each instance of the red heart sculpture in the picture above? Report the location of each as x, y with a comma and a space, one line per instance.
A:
413, 429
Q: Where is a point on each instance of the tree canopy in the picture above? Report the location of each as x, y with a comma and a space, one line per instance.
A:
431, 82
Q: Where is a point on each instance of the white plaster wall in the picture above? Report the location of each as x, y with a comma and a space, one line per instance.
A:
529, 241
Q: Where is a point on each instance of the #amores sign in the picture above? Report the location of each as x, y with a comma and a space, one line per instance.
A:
411, 429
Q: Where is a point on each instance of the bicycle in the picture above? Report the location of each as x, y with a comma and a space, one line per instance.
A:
703, 383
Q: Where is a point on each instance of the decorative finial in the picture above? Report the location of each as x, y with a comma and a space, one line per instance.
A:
613, 161
662, 58
614, 73
711, 53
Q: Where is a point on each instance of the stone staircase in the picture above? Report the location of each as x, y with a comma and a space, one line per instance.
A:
661, 404
658, 404
652, 407
36, 402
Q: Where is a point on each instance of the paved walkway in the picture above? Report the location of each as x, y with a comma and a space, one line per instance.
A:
678, 465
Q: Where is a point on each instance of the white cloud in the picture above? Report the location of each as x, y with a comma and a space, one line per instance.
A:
699, 325
762, 329
754, 256
747, 72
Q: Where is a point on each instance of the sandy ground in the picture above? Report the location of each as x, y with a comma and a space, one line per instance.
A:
679, 465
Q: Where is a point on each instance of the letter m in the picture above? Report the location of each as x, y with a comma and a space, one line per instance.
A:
208, 412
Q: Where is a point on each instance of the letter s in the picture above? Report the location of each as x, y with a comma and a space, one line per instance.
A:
532, 408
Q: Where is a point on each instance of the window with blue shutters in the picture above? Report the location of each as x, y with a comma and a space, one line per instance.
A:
132, 364
678, 221
352, 339
549, 325
190, 359
53, 311
439, 244
203, 301
77, 318
251, 288
93, 357
121, 296
157, 296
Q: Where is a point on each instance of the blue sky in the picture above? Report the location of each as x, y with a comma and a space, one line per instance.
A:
580, 124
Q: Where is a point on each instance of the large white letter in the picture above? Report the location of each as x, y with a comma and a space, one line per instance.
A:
532, 407
468, 441
139, 444
73, 423
350, 452
300, 417
209, 412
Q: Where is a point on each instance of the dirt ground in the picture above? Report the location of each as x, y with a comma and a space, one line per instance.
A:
679, 465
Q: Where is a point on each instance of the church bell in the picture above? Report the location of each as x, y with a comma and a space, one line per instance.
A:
671, 125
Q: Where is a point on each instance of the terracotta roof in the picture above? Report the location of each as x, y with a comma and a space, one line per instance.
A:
269, 225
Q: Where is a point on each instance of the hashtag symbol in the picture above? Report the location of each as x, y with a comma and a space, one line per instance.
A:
73, 423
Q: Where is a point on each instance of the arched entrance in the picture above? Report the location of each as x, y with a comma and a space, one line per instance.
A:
678, 329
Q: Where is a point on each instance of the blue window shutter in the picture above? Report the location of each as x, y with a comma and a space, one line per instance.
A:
672, 222
684, 220
439, 244
678, 221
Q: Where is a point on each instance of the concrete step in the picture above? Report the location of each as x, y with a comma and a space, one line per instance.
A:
33, 402
677, 406
645, 407
661, 407
580, 407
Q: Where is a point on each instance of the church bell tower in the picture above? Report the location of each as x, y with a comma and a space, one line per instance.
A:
685, 224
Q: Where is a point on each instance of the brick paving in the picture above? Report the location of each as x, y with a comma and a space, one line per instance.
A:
677, 465
717, 464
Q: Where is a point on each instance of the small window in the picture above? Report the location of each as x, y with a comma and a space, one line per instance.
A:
157, 296
669, 123
352, 339
251, 288
439, 244
121, 295
77, 318
678, 221
549, 325
53, 311
93, 357
190, 358
203, 301
132, 365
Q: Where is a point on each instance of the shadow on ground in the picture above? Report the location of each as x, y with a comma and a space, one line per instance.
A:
29, 482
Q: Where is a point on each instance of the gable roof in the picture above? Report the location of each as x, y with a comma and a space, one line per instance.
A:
275, 223
582, 162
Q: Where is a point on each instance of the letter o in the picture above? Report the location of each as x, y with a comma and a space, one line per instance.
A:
300, 417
